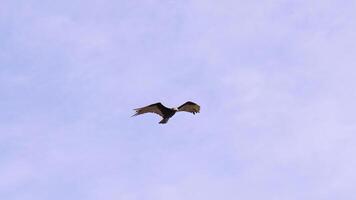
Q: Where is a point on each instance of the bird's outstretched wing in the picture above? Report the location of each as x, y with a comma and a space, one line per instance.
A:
189, 107
157, 108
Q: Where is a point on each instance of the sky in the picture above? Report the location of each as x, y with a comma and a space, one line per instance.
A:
275, 81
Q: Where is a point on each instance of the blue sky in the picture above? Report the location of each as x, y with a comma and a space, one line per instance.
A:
275, 81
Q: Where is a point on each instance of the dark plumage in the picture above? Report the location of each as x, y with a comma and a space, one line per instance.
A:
165, 112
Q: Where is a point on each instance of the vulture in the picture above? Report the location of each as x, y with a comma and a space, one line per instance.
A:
165, 112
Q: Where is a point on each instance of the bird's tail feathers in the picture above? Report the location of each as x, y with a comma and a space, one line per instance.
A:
164, 120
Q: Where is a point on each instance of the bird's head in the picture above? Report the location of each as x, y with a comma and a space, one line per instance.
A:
175, 109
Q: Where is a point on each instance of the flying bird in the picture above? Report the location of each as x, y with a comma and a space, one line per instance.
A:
165, 112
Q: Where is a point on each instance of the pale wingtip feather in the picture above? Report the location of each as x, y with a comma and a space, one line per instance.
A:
135, 113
